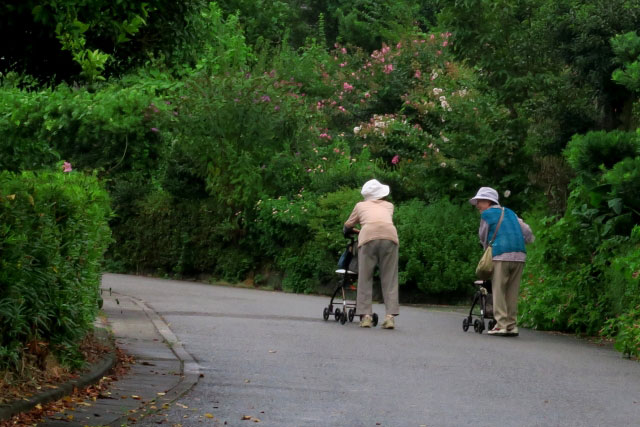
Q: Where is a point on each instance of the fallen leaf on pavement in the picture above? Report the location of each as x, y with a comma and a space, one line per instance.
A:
208, 415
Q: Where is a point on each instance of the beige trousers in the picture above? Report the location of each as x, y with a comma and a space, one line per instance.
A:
506, 287
384, 254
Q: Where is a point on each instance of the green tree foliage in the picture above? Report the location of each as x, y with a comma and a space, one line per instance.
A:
64, 40
233, 136
367, 23
114, 128
550, 61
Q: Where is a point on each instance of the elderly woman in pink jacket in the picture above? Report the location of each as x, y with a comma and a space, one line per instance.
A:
377, 245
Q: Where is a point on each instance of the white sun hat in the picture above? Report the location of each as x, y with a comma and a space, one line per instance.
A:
374, 190
485, 193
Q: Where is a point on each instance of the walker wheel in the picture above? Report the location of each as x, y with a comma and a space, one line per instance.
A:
375, 319
343, 318
352, 314
336, 314
480, 326
465, 324
476, 325
325, 313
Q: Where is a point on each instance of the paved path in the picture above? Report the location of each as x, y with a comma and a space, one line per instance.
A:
270, 356
162, 372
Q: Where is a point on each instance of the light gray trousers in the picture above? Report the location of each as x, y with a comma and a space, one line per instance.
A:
384, 254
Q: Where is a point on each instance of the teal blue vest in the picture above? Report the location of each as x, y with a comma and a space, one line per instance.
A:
509, 238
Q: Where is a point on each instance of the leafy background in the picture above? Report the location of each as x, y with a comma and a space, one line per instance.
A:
231, 140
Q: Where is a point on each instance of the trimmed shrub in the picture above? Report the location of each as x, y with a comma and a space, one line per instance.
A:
439, 248
53, 234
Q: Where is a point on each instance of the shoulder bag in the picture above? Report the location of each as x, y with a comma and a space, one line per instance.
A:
484, 270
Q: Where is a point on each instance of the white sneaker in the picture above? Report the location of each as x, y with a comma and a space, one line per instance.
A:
389, 322
500, 332
366, 322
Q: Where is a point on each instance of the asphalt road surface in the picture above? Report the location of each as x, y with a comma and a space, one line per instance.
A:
269, 356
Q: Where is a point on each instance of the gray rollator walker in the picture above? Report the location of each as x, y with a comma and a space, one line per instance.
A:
348, 269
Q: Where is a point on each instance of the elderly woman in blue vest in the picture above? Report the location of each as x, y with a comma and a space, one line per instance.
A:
509, 256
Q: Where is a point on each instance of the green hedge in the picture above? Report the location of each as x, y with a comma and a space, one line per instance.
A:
53, 234
583, 270
439, 248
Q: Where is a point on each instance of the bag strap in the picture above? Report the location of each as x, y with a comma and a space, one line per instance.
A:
493, 239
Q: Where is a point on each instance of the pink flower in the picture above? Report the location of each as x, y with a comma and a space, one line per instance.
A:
417, 74
432, 37
388, 68
395, 159
343, 64
346, 86
367, 95
399, 45
445, 43
439, 52
155, 130
66, 167
265, 98
341, 108
344, 50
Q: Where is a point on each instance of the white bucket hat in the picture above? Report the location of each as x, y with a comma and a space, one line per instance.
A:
374, 190
485, 193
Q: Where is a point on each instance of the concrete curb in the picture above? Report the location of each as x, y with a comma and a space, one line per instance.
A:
93, 375
190, 368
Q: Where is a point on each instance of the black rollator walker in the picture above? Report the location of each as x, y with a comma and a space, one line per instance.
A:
348, 269
482, 308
